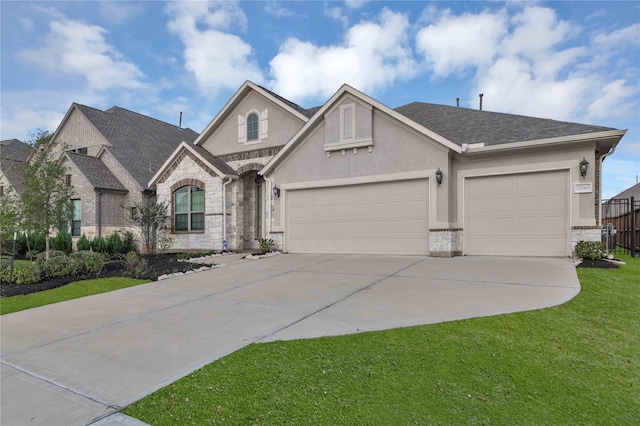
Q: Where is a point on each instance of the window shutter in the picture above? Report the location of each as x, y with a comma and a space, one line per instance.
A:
241, 134
264, 124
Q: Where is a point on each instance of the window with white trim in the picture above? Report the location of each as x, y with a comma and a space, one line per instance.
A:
253, 127
188, 209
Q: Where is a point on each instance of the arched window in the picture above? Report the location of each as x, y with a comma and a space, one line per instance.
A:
252, 127
188, 209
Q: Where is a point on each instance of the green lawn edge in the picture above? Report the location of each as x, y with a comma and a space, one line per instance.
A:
577, 363
70, 291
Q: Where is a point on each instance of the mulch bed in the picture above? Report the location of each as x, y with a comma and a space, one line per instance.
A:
156, 265
603, 264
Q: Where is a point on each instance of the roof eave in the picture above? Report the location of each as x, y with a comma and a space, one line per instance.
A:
612, 135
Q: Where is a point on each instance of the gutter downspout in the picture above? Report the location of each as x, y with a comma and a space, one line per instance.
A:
225, 244
100, 213
602, 157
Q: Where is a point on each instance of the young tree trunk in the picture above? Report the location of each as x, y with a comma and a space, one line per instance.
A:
46, 245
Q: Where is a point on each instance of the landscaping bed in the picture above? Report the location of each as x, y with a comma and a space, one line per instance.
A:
151, 268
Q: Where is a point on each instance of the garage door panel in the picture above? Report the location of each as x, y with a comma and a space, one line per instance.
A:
520, 215
371, 218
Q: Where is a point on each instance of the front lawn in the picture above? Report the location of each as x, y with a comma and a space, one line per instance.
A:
578, 363
68, 292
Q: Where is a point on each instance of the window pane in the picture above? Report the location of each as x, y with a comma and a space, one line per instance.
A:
252, 127
77, 209
197, 199
197, 221
182, 200
182, 222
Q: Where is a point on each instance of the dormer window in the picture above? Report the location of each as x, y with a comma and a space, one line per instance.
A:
252, 127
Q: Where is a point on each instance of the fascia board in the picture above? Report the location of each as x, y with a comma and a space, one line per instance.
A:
585, 137
240, 93
176, 152
330, 104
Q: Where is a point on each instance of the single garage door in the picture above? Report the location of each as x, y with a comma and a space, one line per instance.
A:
518, 215
374, 218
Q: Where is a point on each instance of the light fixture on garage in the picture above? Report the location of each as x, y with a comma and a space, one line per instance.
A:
439, 176
584, 165
276, 192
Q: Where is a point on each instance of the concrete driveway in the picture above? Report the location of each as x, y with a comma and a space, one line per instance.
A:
80, 361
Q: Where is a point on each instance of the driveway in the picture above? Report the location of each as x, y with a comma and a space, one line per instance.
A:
79, 361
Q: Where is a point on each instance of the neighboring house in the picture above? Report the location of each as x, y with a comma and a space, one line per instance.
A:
355, 176
13, 158
111, 156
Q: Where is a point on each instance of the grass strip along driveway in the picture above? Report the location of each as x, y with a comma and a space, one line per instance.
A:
578, 363
67, 292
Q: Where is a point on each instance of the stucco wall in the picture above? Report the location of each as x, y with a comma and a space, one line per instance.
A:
282, 125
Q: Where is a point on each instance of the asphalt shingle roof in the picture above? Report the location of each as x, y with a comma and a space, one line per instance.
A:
96, 172
306, 112
13, 149
14, 172
215, 161
464, 125
140, 143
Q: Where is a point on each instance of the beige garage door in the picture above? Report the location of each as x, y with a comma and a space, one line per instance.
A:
375, 218
518, 215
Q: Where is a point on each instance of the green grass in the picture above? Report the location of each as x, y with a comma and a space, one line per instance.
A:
67, 292
578, 363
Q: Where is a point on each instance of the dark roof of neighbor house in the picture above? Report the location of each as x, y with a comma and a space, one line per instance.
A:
13, 149
96, 172
14, 172
634, 191
13, 158
464, 125
140, 143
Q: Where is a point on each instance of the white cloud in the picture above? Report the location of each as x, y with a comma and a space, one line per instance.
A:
27, 24
355, 4
216, 58
118, 12
614, 99
372, 56
456, 43
275, 9
77, 49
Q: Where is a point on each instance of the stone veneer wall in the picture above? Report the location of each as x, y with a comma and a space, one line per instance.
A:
211, 237
585, 233
446, 242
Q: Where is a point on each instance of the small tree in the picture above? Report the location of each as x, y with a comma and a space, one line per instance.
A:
10, 218
153, 222
46, 198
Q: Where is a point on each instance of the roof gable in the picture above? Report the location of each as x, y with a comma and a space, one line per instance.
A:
13, 149
248, 87
96, 172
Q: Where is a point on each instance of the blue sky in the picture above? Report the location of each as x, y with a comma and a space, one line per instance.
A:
573, 61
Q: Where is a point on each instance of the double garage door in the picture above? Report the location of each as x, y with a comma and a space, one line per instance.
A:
373, 218
518, 215
506, 215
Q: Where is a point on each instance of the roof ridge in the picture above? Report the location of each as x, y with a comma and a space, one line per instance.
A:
282, 98
115, 107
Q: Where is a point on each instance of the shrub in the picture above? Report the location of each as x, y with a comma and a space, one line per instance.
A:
128, 242
23, 272
62, 241
135, 265
266, 245
593, 250
40, 257
91, 262
99, 245
115, 244
37, 242
58, 266
83, 243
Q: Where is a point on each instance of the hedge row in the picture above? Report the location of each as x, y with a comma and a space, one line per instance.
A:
60, 264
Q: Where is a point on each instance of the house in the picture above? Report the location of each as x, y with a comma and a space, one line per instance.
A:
13, 158
356, 176
111, 156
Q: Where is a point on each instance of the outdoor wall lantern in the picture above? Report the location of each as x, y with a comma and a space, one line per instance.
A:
276, 192
584, 166
439, 176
